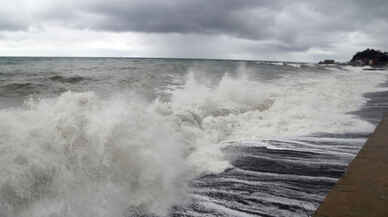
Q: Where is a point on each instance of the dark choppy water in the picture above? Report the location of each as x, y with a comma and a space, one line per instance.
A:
156, 137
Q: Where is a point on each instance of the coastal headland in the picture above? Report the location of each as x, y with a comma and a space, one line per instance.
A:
368, 57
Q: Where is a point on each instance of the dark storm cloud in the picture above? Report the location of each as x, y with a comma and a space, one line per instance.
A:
285, 20
177, 16
284, 25
242, 17
299, 24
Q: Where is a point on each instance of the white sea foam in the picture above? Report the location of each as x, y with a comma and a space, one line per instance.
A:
58, 156
122, 155
298, 104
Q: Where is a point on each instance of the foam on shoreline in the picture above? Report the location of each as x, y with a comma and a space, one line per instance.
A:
363, 190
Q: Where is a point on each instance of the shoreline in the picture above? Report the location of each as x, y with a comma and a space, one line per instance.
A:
363, 189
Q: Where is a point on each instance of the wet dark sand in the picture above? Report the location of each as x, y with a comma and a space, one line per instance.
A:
363, 190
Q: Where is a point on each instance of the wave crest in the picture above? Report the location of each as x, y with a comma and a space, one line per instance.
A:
79, 150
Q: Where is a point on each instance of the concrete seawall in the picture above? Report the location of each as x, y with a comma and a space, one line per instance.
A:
363, 190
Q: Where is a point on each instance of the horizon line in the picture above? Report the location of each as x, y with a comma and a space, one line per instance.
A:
171, 58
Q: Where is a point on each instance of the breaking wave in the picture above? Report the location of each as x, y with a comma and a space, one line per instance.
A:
61, 155
122, 155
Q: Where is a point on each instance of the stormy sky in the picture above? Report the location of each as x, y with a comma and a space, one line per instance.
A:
303, 30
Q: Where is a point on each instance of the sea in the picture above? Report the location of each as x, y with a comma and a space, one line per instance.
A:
122, 137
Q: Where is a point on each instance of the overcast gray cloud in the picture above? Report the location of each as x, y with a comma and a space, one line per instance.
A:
245, 28
241, 18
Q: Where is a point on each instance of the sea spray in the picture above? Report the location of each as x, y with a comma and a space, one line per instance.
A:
240, 107
121, 154
61, 155
295, 105
81, 154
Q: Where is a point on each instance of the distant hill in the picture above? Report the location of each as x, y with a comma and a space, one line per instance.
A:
370, 57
